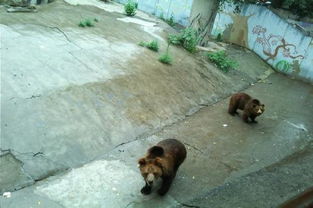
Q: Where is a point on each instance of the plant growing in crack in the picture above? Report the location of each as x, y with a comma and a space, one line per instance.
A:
166, 57
87, 22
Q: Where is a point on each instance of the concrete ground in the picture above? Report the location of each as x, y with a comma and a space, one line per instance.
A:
79, 106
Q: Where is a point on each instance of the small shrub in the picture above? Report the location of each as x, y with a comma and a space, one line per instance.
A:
152, 45
221, 60
165, 58
130, 8
96, 20
188, 38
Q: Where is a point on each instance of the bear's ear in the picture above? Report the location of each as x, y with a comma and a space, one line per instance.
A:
156, 151
142, 161
158, 162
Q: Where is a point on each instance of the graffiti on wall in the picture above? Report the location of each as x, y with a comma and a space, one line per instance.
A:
273, 44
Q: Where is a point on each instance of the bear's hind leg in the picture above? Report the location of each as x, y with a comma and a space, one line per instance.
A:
232, 109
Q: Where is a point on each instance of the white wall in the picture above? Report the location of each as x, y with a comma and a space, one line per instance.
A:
180, 9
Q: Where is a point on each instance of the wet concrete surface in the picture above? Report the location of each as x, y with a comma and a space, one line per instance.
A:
84, 104
269, 187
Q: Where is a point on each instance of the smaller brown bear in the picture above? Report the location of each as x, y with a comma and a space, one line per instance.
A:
251, 107
162, 161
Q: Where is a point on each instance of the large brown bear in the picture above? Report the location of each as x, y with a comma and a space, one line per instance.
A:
251, 107
162, 161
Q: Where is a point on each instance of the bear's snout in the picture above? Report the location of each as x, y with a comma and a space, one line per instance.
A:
150, 178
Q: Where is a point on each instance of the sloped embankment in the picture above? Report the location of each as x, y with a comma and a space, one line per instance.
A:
71, 94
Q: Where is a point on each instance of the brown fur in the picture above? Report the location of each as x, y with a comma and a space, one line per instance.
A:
251, 107
162, 160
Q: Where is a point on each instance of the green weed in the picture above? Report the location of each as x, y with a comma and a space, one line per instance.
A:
221, 60
87, 23
166, 57
152, 45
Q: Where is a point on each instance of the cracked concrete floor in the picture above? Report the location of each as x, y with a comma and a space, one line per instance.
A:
74, 107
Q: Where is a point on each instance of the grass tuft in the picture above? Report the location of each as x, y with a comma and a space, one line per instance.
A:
152, 45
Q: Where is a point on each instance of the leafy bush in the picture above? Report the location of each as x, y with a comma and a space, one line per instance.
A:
221, 60
300, 7
87, 23
152, 45
130, 8
188, 38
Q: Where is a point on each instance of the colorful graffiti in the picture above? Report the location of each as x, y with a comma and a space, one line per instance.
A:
273, 43
283, 66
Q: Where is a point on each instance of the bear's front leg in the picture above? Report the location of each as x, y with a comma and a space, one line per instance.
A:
253, 119
245, 117
146, 189
167, 181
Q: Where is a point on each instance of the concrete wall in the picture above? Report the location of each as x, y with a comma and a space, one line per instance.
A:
279, 43
180, 9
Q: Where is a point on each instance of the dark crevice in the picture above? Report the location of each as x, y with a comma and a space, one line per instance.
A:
188, 205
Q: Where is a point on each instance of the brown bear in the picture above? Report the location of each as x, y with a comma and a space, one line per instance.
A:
162, 161
251, 107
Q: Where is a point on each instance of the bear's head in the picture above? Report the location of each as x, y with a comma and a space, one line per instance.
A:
151, 166
257, 107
